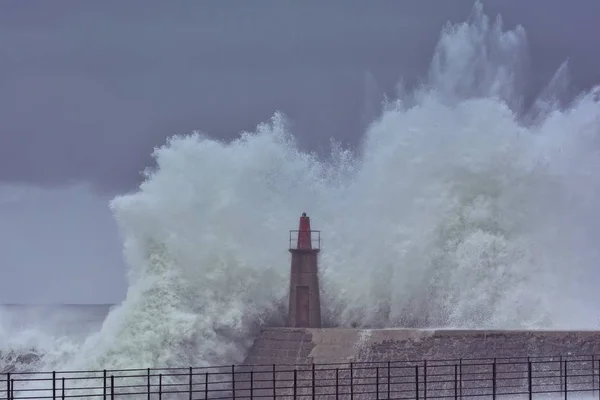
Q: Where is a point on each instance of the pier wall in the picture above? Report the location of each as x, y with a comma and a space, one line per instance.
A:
301, 346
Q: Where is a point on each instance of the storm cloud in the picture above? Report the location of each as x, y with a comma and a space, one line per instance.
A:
87, 89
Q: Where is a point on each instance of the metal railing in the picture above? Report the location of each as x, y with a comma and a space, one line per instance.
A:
315, 239
522, 378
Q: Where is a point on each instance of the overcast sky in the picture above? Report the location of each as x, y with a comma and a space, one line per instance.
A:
88, 88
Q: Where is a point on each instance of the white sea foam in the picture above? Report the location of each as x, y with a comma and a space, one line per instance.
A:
461, 209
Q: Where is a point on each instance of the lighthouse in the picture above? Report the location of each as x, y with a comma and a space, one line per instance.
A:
304, 301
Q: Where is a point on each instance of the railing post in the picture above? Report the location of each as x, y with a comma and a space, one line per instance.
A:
351, 381
8, 386
417, 382
377, 383
160, 386
295, 381
566, 379
251, 384
455, 381
206, 386
112, 387
313, 381
148, 383
233, 380
494, 380
191, 382
460, 382
425, 379
337, 383
529, 379
12, 389
53, 385
63, 388
274, 382
104, 384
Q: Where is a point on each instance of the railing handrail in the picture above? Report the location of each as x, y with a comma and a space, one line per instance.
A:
315, 239
408, 363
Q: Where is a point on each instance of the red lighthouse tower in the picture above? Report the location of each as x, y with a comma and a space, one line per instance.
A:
304, 303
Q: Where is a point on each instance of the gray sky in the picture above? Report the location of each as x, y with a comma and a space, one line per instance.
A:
88, 88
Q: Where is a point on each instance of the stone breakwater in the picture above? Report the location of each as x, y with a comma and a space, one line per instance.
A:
304, 346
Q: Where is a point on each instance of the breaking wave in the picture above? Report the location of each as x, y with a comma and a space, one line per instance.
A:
461, 208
